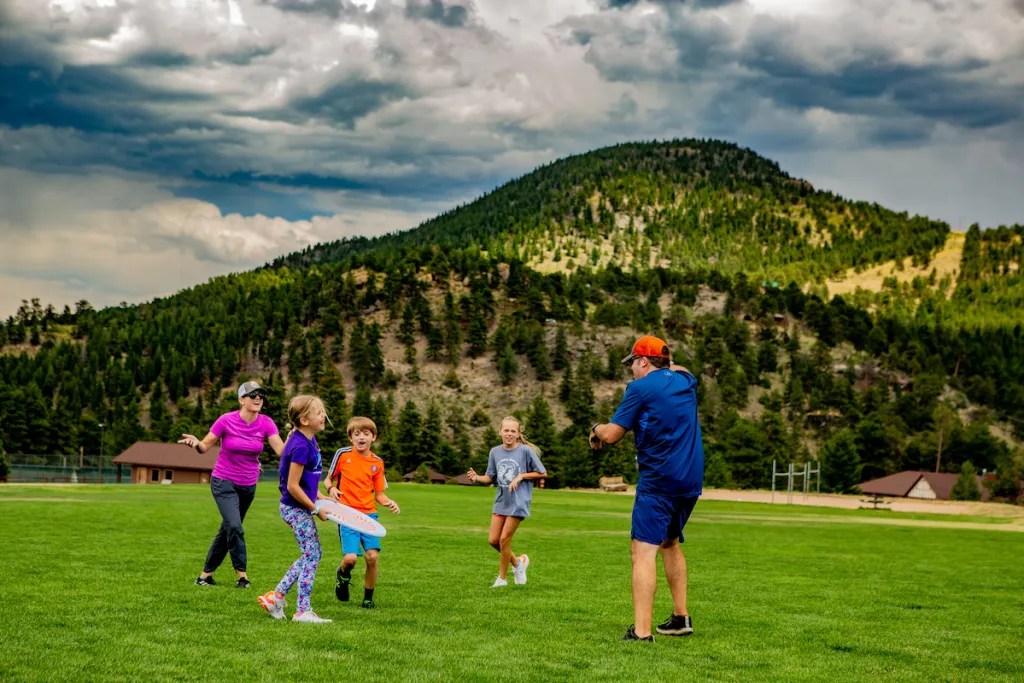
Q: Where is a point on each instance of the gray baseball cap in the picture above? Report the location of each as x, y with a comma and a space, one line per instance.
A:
249, 387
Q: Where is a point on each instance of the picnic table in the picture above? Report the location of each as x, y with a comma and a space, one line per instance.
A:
875, 501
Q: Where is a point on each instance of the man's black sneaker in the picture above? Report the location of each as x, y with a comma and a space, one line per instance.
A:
368, 604
676, 625
341, 587
242, 582
205, 581
631, 635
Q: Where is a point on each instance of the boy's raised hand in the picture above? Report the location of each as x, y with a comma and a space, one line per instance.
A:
472, 474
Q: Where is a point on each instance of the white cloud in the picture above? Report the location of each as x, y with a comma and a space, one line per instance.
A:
61, 241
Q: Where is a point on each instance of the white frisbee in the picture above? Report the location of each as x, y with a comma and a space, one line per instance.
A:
343, 515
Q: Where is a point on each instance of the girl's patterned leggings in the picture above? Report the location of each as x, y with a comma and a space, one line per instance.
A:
304, 568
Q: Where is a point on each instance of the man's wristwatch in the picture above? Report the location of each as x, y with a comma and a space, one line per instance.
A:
593, 427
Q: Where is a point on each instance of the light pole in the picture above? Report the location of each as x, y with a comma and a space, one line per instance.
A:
99, 469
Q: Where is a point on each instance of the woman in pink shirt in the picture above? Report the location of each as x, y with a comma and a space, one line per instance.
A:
235, 474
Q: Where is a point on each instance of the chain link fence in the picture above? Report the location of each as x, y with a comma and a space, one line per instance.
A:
65, 469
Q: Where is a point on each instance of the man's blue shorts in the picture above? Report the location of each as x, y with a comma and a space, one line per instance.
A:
353, 541
657, 519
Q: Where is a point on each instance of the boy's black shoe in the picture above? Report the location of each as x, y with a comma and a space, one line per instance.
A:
341, 587
205, 581
631, 635
368, 604
677, 625
242, 582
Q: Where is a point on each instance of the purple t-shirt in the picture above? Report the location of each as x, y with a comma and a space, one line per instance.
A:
240, 446
305, 452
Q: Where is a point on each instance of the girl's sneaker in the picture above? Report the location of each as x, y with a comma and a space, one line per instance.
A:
519, 573
273, 604
499, 583
310, 617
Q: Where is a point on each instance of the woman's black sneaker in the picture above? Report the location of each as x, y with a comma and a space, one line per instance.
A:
631, 635
341, 587
242, 582
369, 604
206, 581
677, 625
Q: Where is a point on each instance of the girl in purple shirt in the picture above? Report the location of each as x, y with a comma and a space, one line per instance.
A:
235, 474
300, 471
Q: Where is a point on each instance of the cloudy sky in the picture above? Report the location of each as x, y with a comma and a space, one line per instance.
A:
147, 145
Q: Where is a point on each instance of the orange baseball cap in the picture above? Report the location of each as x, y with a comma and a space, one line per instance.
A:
651, 347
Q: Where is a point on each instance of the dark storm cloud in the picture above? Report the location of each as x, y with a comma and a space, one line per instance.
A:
340, 104
303, 180
329, 8
619, 4
876, 83
85, 98
451, 15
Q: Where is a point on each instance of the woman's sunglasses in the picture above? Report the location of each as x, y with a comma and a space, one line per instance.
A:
255, 394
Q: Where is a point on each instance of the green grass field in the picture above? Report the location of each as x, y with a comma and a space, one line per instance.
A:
98, 586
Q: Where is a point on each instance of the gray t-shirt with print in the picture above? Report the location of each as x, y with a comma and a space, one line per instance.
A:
503, 466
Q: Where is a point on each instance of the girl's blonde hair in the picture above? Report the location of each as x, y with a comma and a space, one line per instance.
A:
299, 407
522, 437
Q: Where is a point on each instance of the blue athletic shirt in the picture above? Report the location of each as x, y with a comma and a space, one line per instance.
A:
661, 411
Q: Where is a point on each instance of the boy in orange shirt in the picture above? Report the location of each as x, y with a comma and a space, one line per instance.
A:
356, 478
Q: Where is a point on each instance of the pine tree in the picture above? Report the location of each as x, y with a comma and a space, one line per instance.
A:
317, 362
966, 486
381, 417
477, 337
460, 437
431, 443
452, 341
489, 440
561, 358
580, 406
578, 459
374, 371
435, 343
407, 438
363, 404
332, 393
507, 363
338, 345
840, 463
565, 386
357, 350
407, 330
540, 425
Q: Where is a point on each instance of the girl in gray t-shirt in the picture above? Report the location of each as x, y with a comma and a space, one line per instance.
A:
513, 466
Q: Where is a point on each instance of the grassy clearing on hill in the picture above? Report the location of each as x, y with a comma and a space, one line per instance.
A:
99, 587
945, 262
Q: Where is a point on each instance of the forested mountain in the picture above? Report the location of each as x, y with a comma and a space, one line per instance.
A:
524, 300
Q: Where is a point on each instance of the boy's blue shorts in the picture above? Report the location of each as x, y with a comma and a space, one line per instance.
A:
657, 519
353, 541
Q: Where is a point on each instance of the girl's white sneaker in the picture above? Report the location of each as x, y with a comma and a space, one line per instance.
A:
310, 617
519, 573
499, 583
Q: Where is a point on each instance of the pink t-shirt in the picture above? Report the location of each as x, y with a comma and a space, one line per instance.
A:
240, 446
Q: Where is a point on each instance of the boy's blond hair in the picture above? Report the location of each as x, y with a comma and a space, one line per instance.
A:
361, 424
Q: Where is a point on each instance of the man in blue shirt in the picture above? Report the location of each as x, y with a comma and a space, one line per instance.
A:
660, 408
